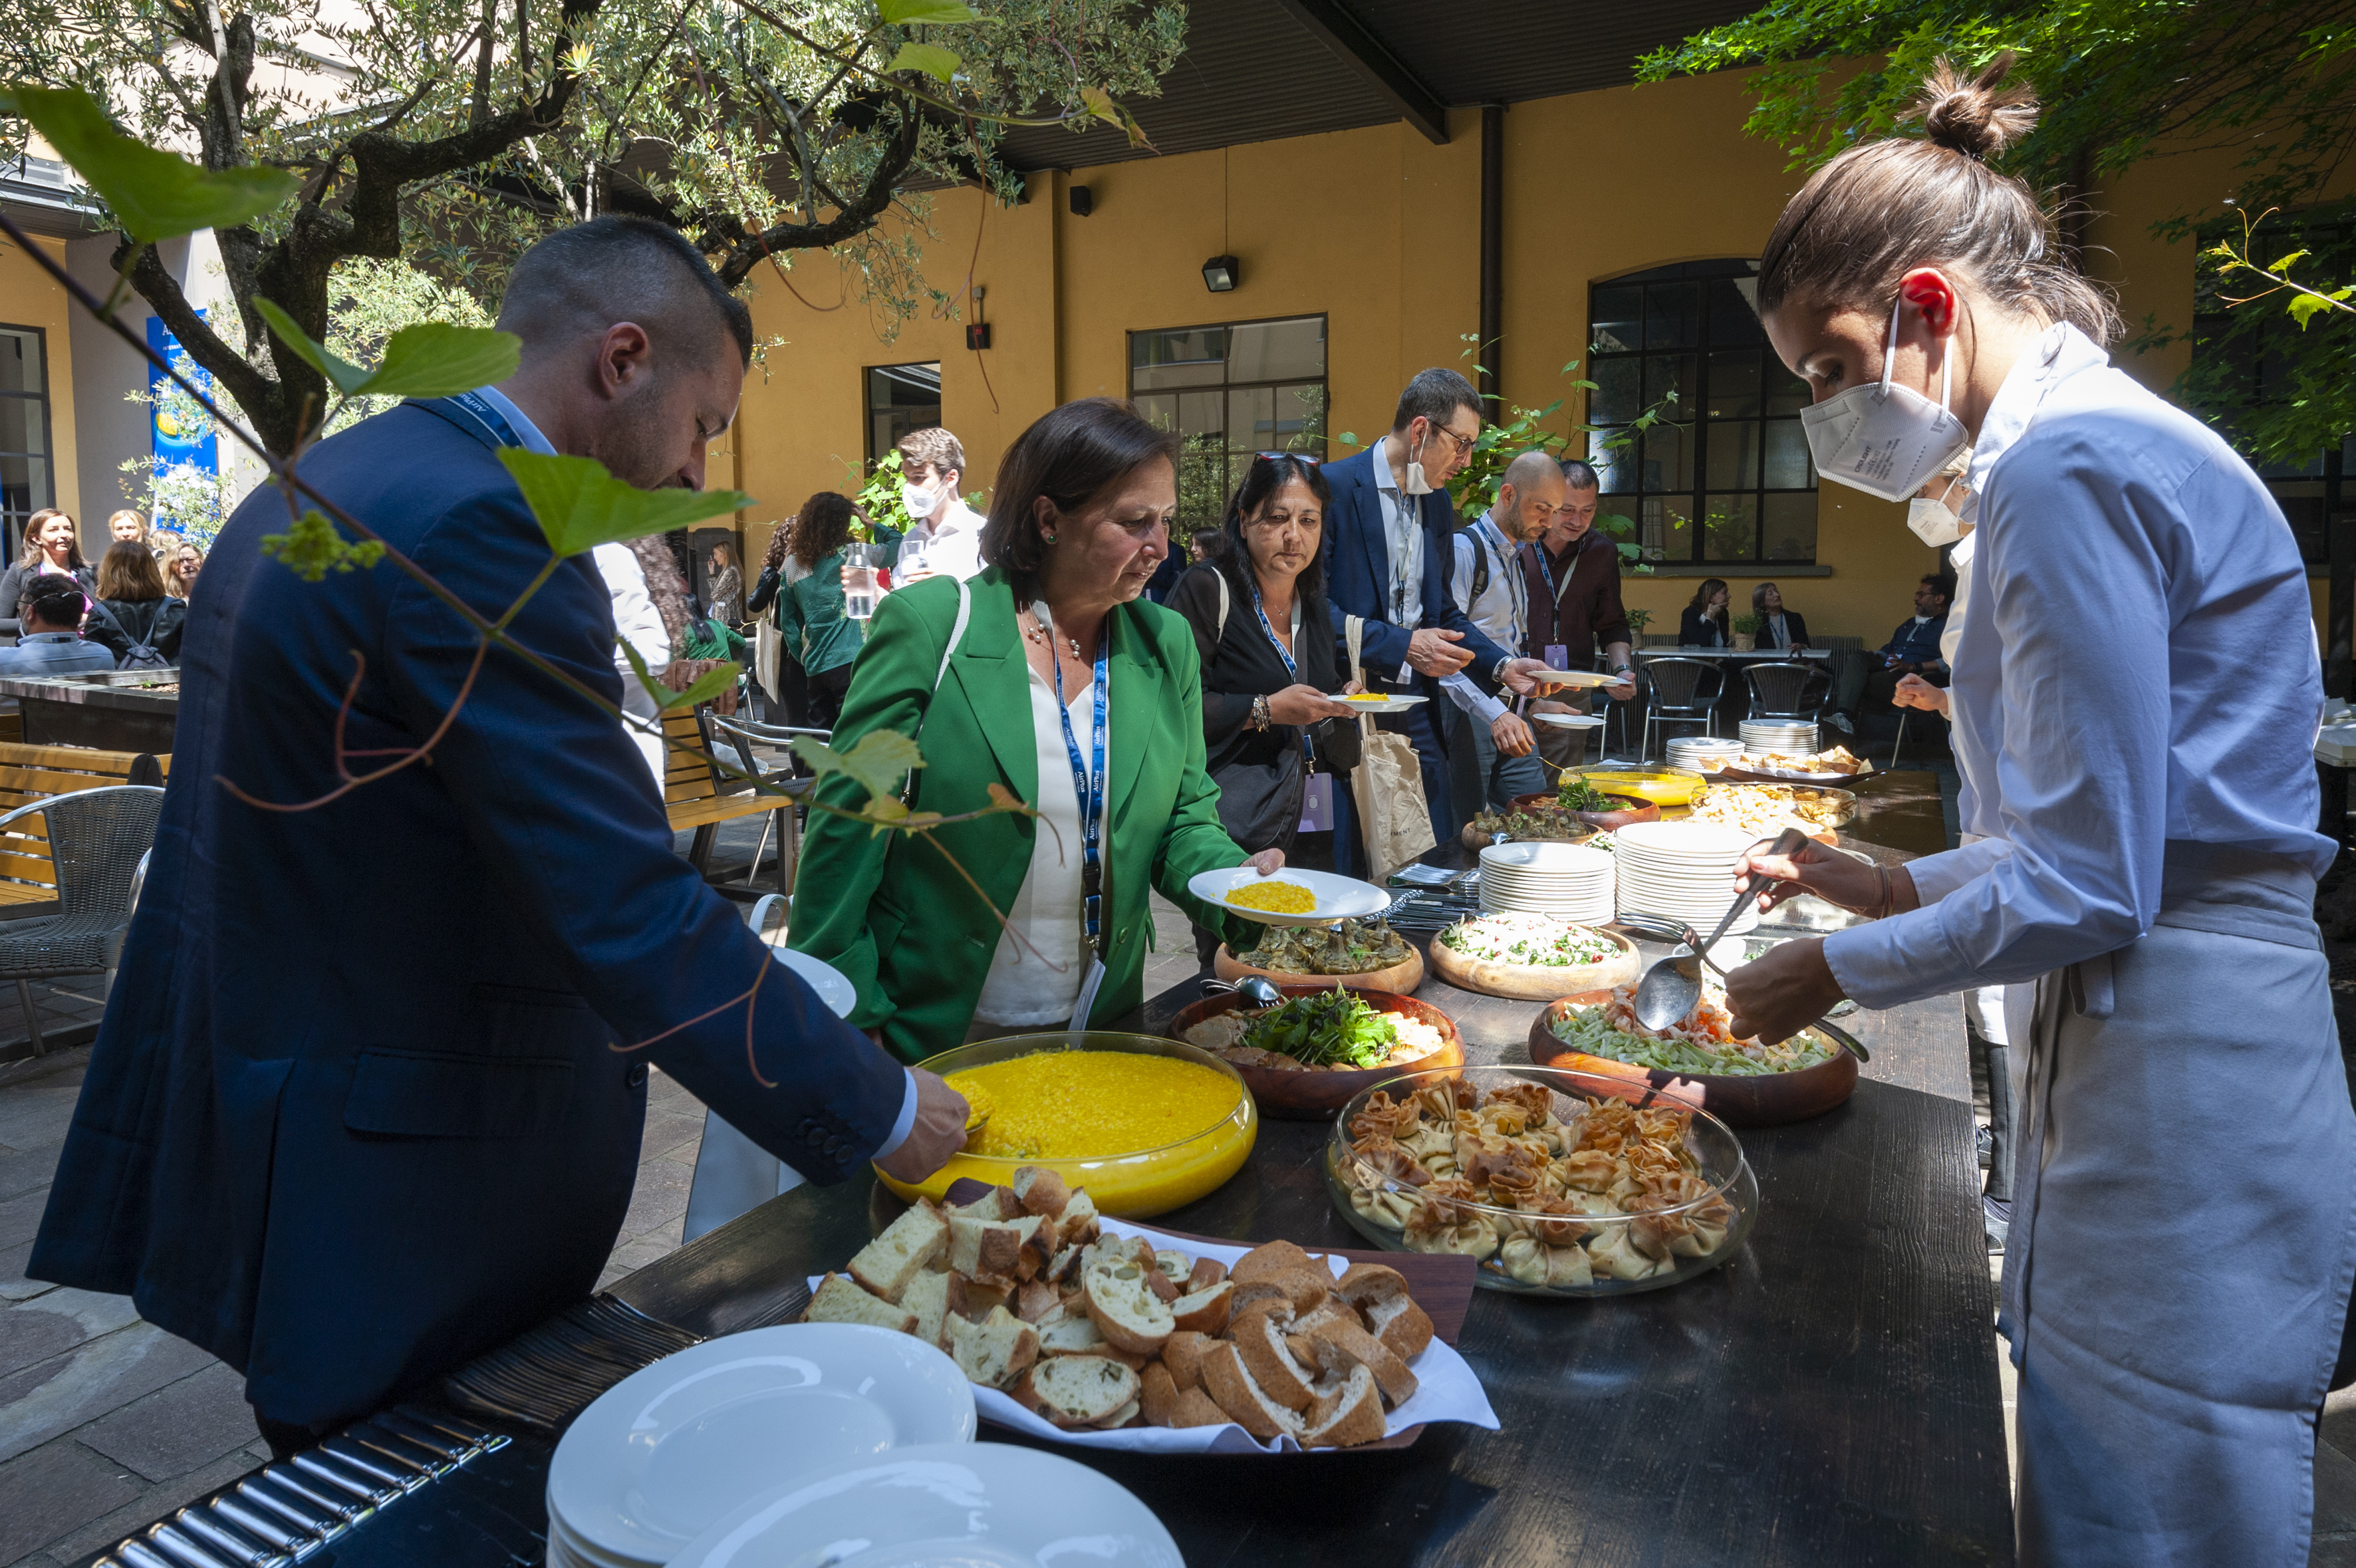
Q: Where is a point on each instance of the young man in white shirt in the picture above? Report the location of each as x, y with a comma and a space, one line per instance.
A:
947, 533
1491, 755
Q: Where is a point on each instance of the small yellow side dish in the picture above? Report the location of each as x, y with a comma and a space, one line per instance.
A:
1275, 898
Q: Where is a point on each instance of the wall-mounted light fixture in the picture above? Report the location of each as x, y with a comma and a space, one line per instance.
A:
1220, 274
1082, 201
977, 333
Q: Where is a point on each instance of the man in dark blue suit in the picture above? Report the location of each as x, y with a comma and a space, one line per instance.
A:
367, 1096
1390, 554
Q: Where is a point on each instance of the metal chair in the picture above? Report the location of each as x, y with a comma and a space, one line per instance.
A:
98, 840
742, 733
1679, 695
1780, 690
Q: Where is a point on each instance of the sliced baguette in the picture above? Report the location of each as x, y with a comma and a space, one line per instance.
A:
1076, 1225
1346, 1418
1125, 1308
1166, 1404
1036, 1300
1268, 1258
839, 1300
1257, 1335
1126, 1416
1043, 1191
1205, 1311
1380, 1295
1300, 1288
1229, 1383
991, 1251
995, 1351
1176, 1266
906, 1247
1208, 1272
1077, 1391
927, 1296
1000, 1203
1070, 1333
1183, 1356
1338, 1344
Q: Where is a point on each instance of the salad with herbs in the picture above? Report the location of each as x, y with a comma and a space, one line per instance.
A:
1702, 1041
1578, 795
1539, 939
1333, 1028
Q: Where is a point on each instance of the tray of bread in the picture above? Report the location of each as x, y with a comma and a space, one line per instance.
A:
1084, 1330
1782, 768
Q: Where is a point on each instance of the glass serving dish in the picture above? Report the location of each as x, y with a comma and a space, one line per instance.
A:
1661, 785
1131, 1184
1653, 1240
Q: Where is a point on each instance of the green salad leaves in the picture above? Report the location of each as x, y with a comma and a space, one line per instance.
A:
1333, 1028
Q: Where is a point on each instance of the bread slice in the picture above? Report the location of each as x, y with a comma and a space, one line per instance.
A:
1064, 1268
1346, 1418
839, 1300
990, 1251
974, 1302
995, 1351
927, 1296
905, 1249
1207, 1271
1268, 1258
1076, 1225
1163, 1287
1205, 1311
1259, 1338
1036, 1300
1000, 1203
1183, 1356
1229, 1383
1043, 1191
1125, 1416
1069, 1333
1175, 1266
1300, 1288
1125, 1308
1077, 1391
1339, 1345
1380, 1292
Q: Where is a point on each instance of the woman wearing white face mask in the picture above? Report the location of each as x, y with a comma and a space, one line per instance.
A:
2139, 728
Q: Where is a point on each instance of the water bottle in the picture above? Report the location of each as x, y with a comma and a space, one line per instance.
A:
859, 562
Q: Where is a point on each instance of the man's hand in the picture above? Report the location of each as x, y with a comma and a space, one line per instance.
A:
1267, 862
1623, 690
938, 1132
1433, 651
1304, 706
1512, 736
1776, 996
1913, 692
1520, 677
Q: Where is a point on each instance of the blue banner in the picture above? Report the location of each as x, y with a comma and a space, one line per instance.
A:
181, 434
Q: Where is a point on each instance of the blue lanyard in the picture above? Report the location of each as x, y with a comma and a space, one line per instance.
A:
1087, 783
1547, 568
1261, 610
480, 410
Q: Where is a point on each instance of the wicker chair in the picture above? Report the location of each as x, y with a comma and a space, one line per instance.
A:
1684, 692
740, 736
1781, 691
98, 840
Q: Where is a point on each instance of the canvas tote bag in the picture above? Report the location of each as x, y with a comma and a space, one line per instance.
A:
1388, 785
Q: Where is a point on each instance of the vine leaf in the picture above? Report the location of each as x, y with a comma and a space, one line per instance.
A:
432, 359
930, 58
580, 506
907, 13
709, 685
878, 763
153, 195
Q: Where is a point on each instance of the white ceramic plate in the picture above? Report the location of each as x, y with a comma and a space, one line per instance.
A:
669, 1449
968, 1505
1566, 721
1392, 703
1573, 678
1338, 897
833, 989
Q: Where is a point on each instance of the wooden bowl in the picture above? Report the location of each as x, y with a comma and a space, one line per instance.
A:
1402, 977
1305, 1095
1767, 1100
1471, 837
1535, 982
1636, 810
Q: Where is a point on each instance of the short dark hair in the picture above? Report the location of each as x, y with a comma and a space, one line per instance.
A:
619, 268
1435, 394
1578, 474
54, 601
1070, 454
1209, 541
1942, 584
1267, 476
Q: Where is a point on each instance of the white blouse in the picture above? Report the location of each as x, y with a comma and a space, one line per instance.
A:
1022, 989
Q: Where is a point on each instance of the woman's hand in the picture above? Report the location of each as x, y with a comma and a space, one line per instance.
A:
1776, 996
1267, 862
1303, 706
1827, 873
937, 1132
1913, 692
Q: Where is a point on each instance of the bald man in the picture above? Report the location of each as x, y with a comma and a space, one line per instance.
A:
1491, 755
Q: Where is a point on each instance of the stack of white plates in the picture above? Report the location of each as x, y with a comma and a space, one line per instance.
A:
1570, 880
1793, 738
671, 1449
1702, 753
1682, 871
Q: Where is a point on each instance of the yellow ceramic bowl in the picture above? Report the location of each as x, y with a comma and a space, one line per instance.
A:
1031, 1083
1661, 785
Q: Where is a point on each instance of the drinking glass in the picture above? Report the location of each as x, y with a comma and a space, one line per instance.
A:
859, 563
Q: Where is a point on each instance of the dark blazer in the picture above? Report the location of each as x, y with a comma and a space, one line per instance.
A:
1241, 663
158, 623
367, 1100
1795, 630
1695, 629
1916, 644
1357, 559
1582, 612
12, 581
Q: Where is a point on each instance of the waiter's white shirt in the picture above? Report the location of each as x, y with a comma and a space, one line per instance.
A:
1402, 548
1502, 612
952, 538
2105, 681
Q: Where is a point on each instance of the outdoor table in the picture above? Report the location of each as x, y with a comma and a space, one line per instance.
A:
128, 710
1736, 654
1828, 1397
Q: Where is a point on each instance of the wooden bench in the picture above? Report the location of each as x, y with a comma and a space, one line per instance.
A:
29, 774
694, 798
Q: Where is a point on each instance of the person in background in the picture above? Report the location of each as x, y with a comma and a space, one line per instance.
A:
180, 574
1703, 623
1491, 755
1912, 649
779, 667
52, 548
1572, 577
637, 623
134, 611
727, 584
1205, 544
822, 639
1778, 627
932, 464
1265, 641
51, 643
128, 524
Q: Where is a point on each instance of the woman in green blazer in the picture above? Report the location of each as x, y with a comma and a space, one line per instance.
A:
1078, 522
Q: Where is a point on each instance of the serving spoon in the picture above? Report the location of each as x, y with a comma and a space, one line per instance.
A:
1688, 966
1671, 987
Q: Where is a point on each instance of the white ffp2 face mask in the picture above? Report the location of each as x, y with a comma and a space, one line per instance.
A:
1933, 522
1886, 440
919, 501
1417, 485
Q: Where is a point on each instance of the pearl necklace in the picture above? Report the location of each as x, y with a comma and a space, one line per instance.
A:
1037, 633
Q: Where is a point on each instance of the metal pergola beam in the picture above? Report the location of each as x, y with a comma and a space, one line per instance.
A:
1349, 39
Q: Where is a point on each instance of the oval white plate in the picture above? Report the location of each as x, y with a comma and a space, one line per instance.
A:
670, 1448
969, 1505
1338, 897
834, 990
1567, 721
1392, 703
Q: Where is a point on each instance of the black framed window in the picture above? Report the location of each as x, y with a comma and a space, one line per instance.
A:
1231, 391
900, 398
27, 483
1725, 477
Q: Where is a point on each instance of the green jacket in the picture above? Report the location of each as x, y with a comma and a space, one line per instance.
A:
893, 914
809, 618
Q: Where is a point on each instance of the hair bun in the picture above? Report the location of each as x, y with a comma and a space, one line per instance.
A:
1978, 115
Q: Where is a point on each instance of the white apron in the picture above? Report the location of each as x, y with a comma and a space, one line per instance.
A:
2184, 1239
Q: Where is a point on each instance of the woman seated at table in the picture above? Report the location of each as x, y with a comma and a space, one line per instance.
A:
1703, 625
1044, 676
1265, 639
1778, 627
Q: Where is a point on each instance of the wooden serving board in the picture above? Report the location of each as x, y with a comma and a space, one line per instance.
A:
1533, 981
1402, 978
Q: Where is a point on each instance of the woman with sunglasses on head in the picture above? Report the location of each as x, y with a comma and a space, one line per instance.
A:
2184, 1239
1267, 644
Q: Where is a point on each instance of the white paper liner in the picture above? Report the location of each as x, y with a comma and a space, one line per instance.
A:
1446, 1387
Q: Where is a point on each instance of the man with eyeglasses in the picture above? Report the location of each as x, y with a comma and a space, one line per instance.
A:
1572, 575
1491, 755
1388, 560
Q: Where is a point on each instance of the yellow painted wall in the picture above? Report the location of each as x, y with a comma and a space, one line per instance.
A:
29, 298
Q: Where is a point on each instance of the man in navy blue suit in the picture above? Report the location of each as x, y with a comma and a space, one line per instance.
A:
1390, 556
367, 1096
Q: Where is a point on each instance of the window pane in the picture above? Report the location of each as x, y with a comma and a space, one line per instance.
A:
1789, 529
1614, 464
1277, 350
1189, 357
1300, 420
1668, 459
1789, 466
2303, 502
24, 484
1672, 315
20, 423
1670, 374
1619, 393
1203, 414
1733, 318
1733, 392
1202, 481
900, 398
1618, 320
20, 362
1160, 409
1786, 393
1733, 455
1730, 529
1665, 529
1251, 419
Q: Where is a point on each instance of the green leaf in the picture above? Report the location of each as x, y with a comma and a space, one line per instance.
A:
581, 506
1100, 104
345, 376
647, 682
435, 358
930, 58
153, 195
2287, 263
2306, 308
704, 688
907, 13
878, 763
